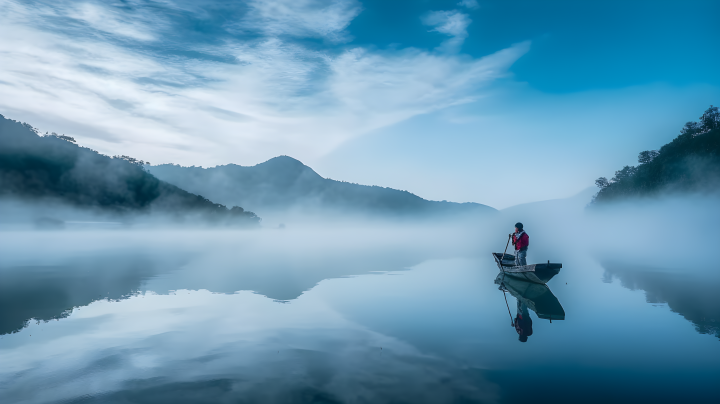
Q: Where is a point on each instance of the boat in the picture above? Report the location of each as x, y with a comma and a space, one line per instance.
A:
538, 298
536, 273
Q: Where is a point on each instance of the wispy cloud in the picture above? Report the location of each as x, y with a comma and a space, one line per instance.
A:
452, 23
120, 80
471, 4
303, 18
112, 22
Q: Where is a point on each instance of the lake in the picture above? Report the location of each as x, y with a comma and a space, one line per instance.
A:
365, 314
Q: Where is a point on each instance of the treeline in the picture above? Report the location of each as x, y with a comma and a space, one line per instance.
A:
54, 169
690, 163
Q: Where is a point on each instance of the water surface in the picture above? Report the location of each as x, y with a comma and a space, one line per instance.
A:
367, 315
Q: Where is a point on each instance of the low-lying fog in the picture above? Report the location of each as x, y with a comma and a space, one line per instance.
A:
676, 234
141, 309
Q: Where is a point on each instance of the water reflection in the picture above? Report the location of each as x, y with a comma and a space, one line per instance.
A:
692, 293
52, 292
49, 286
243, 348
522, 322
534, 296
184, 323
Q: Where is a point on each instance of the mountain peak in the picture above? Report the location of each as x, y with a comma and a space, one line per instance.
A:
283, 165
283, 160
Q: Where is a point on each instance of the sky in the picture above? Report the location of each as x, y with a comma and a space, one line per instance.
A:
495, 102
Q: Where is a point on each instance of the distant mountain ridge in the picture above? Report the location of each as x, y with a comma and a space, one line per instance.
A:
284, 183
54, 171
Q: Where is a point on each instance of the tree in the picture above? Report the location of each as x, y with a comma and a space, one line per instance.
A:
30, 128
132, 160
691, 129
710, 119
625, 173
647, 156
602, 182
63, 137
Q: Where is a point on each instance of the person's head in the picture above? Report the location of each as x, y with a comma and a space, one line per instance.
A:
518, 227
522, 338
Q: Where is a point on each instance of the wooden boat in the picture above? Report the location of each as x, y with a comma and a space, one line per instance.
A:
538, 298
537, 273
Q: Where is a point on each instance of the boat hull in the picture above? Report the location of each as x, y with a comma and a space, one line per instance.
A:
536, 273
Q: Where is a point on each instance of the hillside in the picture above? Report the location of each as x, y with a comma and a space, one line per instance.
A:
54, 170
283, 184
690, 163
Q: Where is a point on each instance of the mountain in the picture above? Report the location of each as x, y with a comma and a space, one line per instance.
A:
690, 163
53, 170
284, 184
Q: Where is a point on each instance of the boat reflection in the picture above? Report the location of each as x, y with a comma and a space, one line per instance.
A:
530, 296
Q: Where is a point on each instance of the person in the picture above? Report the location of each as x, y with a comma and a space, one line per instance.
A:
521, 241
523, 322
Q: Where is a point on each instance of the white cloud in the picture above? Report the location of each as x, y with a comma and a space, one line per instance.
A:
112, 22
279, 98
452, 23
303, 18
394, 87
471, 4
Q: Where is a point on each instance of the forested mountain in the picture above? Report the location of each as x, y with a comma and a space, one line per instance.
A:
690, 163
283, 184
54, 170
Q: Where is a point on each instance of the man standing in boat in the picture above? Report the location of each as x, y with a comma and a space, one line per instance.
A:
521, 241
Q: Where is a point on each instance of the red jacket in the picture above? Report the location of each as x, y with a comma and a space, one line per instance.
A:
521, 244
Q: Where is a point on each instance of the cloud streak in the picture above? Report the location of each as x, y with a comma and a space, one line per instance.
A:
135, 80
452, 23
471, 4
301, 18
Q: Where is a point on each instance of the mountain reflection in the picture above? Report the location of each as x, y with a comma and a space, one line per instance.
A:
52, 284
46, 293
281, 277
533, 296
692, 294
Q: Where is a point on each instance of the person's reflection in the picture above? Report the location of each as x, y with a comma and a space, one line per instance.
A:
523, 322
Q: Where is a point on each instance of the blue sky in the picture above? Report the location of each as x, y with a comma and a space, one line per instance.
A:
495, 102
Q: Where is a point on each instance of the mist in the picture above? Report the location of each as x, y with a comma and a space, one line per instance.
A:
306, 202
311, 298
664, 231
283, 263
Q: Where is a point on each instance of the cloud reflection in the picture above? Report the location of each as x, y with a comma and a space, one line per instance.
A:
228, 348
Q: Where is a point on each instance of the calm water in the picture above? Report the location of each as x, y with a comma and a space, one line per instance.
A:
356, 316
